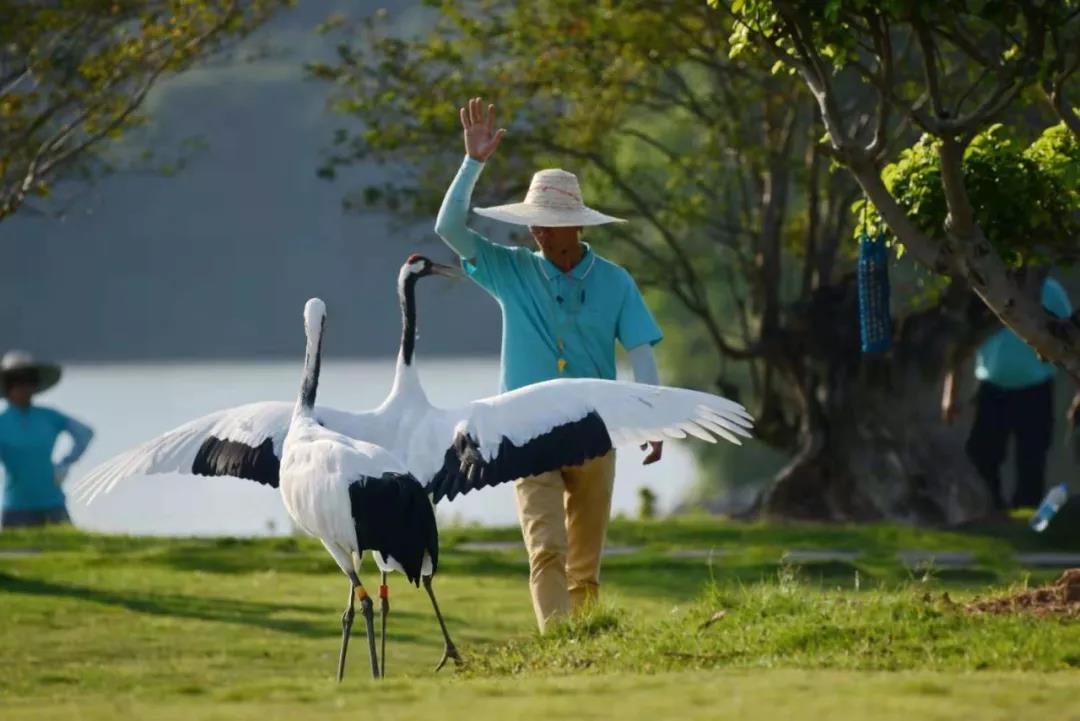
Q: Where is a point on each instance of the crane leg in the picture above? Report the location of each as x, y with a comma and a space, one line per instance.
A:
384, 611
357, 589
346, 628
367, 608
449, 649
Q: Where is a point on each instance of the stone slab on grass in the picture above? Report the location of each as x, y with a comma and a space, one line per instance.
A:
1049, 559
936, 559
818, 555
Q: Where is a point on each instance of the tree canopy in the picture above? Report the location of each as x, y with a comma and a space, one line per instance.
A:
1026, 200
951, 69
73, 74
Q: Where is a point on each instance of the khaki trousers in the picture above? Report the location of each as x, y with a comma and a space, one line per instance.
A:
564, 518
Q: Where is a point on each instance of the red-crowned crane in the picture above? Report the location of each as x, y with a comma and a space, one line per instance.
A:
452, 451
355, 496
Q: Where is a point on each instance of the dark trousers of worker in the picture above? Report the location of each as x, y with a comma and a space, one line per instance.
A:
1023, 414
36, 517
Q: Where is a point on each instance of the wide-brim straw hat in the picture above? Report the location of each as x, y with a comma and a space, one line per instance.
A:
20, 362
553, 201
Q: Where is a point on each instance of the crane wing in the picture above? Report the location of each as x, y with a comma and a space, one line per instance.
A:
242, 442
566, 422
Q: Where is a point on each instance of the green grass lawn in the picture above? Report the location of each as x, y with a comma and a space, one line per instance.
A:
101, 627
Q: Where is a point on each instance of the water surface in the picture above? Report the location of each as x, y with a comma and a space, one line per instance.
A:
129, 403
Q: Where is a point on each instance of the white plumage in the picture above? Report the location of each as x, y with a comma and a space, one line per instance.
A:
440, 446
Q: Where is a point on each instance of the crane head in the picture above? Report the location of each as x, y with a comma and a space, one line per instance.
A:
419, 266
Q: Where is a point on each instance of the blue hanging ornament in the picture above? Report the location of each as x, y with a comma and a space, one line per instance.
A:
872, 276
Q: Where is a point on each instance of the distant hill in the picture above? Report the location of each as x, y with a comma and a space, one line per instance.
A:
216, 261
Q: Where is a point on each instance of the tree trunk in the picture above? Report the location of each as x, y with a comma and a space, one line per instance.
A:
873, 446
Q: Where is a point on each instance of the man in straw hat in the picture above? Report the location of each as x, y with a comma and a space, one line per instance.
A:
28, 433
563, 307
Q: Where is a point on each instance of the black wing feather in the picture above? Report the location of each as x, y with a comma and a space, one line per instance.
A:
393, 516
570, 444
222, 457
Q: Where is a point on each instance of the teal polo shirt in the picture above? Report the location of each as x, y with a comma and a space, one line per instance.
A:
27, 438
1008, 362
560, 325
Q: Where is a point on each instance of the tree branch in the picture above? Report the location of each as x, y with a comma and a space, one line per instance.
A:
929, 63
960, 220
879, 27
931, 253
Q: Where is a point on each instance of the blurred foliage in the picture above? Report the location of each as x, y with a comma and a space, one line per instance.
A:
73, 74
837, 30
646, 504
956, 70
1057, 153
1027, 200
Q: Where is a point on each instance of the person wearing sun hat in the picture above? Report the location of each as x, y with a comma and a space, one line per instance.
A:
564, 307
28, 433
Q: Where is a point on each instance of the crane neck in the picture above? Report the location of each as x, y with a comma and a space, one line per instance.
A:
406, 378
407, 295
309, 384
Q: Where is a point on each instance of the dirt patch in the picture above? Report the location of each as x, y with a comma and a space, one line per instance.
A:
1061, 598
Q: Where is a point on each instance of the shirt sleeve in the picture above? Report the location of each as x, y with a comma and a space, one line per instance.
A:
81, 435
1055, 299
450, 223
491, 266
636, 324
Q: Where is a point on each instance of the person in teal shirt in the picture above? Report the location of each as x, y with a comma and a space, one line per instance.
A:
1015, 400
28, 433
564, 308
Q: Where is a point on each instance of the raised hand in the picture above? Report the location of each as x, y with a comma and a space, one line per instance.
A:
481, 137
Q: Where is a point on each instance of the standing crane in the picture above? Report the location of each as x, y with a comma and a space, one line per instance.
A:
355, 496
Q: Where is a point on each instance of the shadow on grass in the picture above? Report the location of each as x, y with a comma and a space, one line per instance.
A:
225, 610
875, 539
635, 575
220, 610
648, 576
243, 560
666, 578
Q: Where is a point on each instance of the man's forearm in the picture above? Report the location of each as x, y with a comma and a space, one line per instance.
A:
450, 223
949, 390
643, 361
956, 360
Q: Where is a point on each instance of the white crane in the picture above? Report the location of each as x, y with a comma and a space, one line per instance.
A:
524, 432
355, 496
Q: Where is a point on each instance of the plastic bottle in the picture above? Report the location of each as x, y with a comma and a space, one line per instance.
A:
1053, 501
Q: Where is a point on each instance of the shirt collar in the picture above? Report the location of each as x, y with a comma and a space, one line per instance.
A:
10, 409
578, 272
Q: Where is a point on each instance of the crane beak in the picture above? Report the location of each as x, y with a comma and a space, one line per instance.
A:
447, 271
